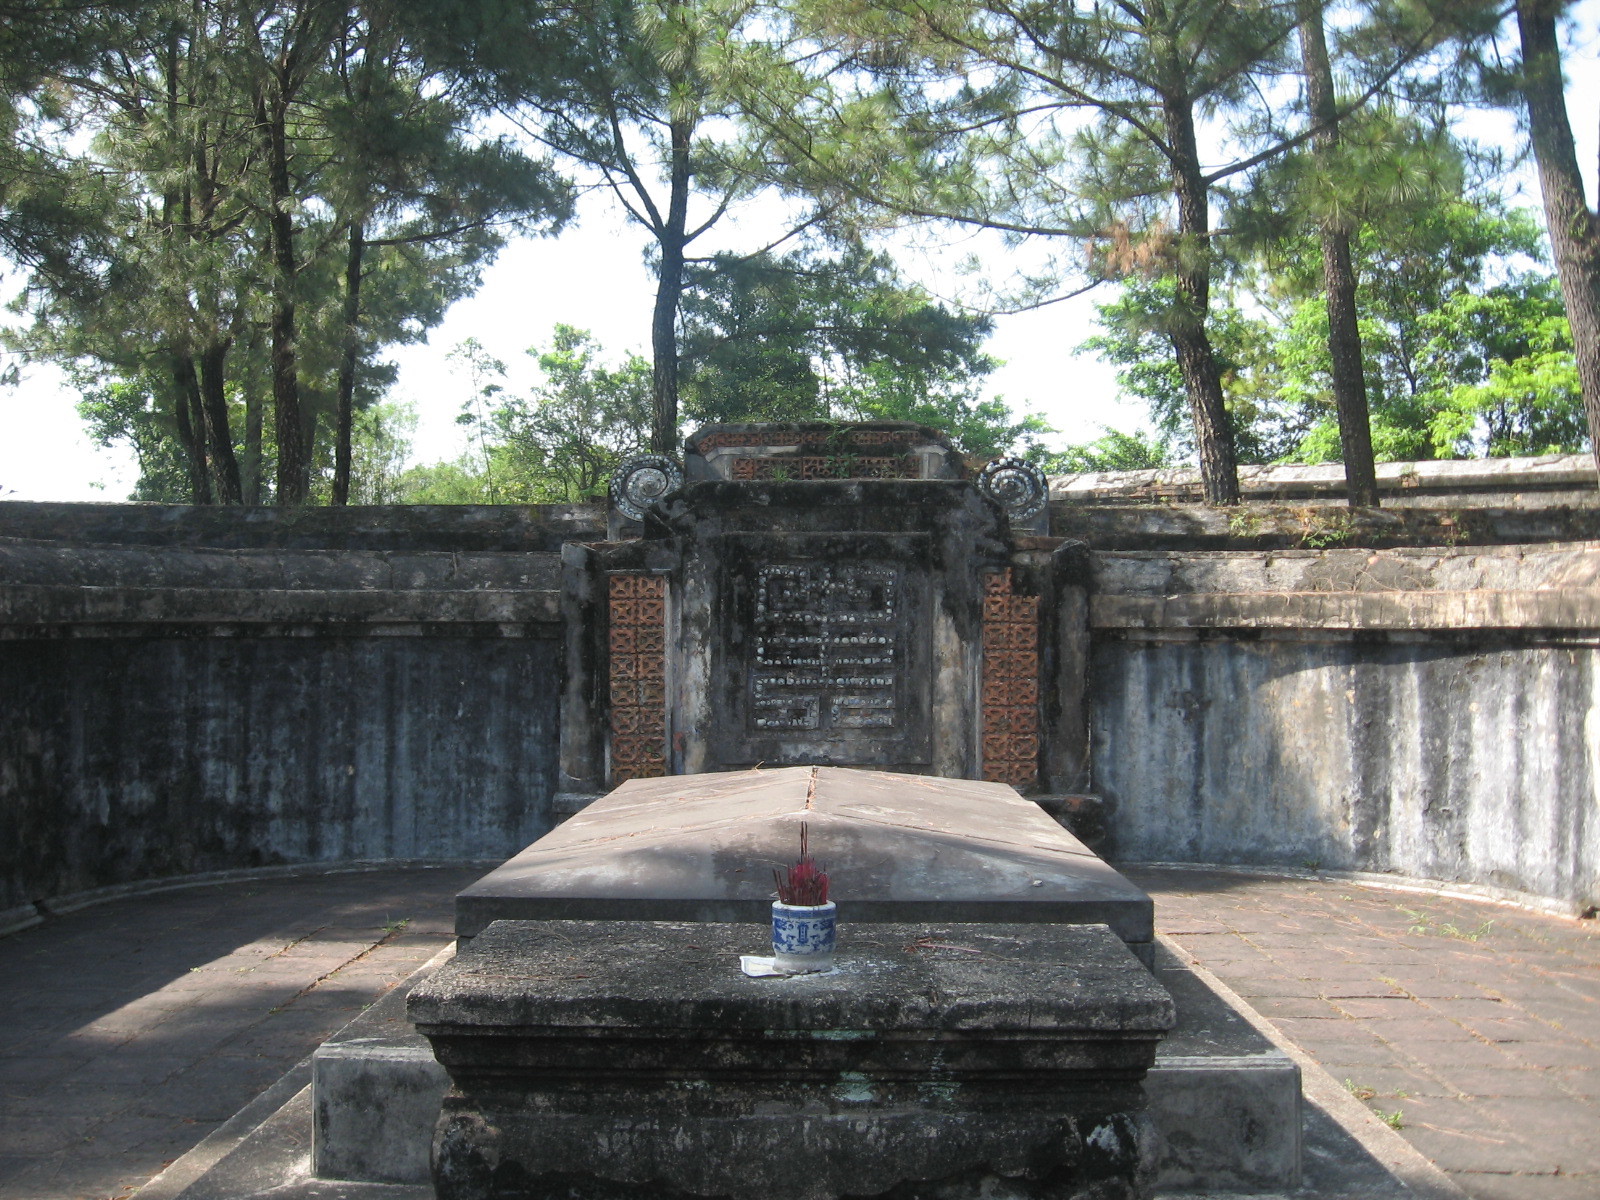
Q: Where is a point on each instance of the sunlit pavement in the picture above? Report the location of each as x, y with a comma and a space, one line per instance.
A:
1473, 1028
133, 1029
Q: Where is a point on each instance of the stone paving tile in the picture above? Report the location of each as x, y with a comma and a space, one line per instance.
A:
1388, 1084
1393, 1006
1489, 1050
1532, 1187
199, 1000
1554, 1054
1311, 1008
1489, 1082
1568, 1129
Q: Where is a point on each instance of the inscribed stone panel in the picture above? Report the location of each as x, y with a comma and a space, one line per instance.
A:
825, 658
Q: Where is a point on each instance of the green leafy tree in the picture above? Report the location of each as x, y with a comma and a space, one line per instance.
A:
1444, 277
1503, 367
1465, 347
304, 146
1114, 450
563, 441
1265, 422
812, 337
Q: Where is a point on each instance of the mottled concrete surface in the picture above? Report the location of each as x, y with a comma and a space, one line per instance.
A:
130, 758
1473, 1027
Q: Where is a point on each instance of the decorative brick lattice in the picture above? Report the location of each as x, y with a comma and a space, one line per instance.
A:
638, 641
808, 466
1010, 697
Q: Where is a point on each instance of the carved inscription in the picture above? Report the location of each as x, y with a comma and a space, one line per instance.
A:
826, 651
638, 676
1010, 696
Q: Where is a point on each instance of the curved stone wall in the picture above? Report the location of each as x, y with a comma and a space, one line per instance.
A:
184, 691
133, 758
193, 690
1432, 713
1468, 760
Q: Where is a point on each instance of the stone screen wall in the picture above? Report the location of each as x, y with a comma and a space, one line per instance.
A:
1466, 759
183, 691
134, 758
190, 690
1427, 712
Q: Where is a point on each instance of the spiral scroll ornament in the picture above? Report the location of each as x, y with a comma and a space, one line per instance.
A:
642, 482
1018, 487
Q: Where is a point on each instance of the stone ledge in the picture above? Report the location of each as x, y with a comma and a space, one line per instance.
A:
34, 562
1537, 567
1443, 476
60, 604
398, 527
1556, 609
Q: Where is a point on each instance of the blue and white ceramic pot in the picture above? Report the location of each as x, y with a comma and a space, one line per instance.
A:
803, 936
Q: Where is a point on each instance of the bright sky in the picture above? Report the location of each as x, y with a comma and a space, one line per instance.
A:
593, 276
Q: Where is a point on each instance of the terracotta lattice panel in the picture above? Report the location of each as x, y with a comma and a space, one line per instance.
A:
1010, 696
638, 676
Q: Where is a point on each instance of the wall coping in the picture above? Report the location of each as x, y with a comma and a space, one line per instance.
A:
1548, 472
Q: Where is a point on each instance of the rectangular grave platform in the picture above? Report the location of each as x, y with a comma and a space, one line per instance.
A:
898, 848
1224, 1100
633, 1058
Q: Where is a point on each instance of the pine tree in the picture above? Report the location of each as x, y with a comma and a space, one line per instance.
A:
1573, 226
1082, 122
309, 146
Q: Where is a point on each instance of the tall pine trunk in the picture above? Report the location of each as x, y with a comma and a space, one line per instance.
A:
1338, 275
1574, 230
344, 434
1202, 381
669, 292
191, 421
293, 476
214, 399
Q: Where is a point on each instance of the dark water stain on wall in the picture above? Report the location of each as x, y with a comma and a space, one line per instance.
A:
124, 759
1456, 758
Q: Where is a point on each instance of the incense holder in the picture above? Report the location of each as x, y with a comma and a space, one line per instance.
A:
803, 936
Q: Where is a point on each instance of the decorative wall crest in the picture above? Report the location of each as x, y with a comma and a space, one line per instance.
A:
643, 481
1019, 487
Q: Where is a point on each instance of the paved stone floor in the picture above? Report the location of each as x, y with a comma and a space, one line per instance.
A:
1474, 1028
133, 1029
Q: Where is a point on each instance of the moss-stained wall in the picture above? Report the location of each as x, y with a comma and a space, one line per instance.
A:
190, 690
131, 758
1462, 759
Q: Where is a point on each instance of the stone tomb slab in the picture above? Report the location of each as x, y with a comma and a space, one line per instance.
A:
1225, 1102
897, 847
610, 1059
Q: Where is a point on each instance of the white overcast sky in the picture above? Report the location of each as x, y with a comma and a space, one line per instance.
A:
593, 276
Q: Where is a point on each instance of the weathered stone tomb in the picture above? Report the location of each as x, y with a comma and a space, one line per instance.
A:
902, 848
611, 1059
